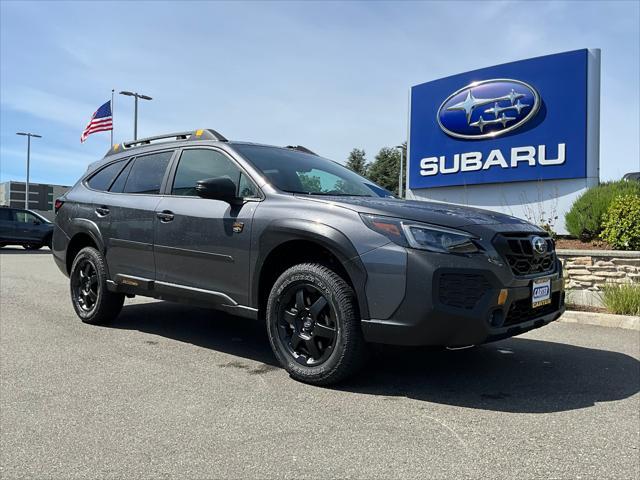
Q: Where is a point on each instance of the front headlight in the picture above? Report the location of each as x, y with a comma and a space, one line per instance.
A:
421, 236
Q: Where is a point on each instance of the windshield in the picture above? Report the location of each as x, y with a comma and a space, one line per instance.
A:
297, 172
40, 217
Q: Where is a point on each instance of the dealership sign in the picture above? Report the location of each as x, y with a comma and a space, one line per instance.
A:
520, 121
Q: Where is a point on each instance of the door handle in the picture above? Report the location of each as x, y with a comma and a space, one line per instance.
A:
165, 216
102, 211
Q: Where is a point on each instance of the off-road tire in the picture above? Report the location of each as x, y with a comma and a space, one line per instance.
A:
349, 351
107, 305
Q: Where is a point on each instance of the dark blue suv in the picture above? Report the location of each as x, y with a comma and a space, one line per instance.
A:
24, 227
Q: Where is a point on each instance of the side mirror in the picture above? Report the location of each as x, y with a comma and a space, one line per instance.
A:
37, 222
218, 188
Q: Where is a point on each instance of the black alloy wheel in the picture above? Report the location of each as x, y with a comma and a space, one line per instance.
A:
91, 299
84, 285
307, 325
314, 325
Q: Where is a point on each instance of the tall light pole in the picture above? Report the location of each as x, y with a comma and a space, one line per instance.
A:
402, 149
26, 185
135, 116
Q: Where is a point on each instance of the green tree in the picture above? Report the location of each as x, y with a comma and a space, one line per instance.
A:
385, 169
310, 183
357, 161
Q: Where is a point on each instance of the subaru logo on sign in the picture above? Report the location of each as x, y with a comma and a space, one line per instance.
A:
488, 109
539, 245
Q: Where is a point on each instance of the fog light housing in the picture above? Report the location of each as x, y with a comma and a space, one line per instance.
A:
497, 319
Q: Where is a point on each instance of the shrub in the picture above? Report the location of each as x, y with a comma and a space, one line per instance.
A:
584, 219
623, 299
621, 223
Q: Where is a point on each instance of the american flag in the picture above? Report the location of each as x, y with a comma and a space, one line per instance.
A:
101, 121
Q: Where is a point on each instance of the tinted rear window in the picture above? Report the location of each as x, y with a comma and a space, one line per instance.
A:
102, 179
147, 173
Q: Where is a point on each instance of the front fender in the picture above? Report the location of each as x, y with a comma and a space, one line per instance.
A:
281, 231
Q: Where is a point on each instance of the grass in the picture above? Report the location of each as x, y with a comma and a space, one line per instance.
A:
623, 299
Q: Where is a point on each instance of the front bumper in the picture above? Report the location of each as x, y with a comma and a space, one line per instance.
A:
429, 316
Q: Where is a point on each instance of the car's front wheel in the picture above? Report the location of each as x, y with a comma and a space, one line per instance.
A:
91, 299
314, 326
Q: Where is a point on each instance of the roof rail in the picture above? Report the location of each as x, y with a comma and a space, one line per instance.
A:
202, 134
300, 148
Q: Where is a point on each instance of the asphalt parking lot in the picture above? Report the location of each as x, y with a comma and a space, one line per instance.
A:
175, 391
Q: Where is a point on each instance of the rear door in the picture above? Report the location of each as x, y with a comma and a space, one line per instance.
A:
133, 198
95, 205
205, 243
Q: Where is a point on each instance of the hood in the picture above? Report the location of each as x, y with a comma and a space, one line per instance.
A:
444, 214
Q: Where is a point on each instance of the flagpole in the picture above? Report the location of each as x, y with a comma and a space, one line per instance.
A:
112, 118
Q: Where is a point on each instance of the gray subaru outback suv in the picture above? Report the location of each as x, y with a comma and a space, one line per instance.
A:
329, 260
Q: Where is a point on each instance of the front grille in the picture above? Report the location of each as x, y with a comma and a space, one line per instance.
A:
517, 250
462, 290
521, 310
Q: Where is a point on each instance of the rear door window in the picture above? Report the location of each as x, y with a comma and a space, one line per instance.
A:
147, 173
102, 180
118, 185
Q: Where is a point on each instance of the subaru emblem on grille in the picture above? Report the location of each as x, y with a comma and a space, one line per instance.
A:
539, 245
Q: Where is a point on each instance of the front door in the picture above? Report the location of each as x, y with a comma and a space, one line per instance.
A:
202, 243
29, 227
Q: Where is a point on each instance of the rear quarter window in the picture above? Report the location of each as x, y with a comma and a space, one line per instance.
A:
103, 178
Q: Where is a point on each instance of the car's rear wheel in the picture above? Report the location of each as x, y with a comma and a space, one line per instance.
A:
313, 325
91, 299
32, 246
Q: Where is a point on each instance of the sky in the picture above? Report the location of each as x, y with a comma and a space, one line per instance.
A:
328, 75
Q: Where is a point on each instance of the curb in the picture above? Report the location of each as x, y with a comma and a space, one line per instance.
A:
597, 253
602, 319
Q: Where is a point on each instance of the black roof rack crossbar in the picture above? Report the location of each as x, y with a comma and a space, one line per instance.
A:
203, 134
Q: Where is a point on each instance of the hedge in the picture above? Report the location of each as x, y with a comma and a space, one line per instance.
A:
584, 219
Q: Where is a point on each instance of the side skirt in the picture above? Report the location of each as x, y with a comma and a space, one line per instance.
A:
145, 287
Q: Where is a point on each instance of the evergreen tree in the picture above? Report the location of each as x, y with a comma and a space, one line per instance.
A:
385, 169
357, 161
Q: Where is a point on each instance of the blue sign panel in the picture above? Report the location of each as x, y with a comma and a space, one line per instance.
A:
519, 121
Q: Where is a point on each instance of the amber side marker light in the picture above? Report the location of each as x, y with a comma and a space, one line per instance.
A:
502, 297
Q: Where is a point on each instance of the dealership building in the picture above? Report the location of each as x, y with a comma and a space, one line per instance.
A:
41, 196
521, 138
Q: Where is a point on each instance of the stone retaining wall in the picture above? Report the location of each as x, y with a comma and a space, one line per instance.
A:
590, 269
